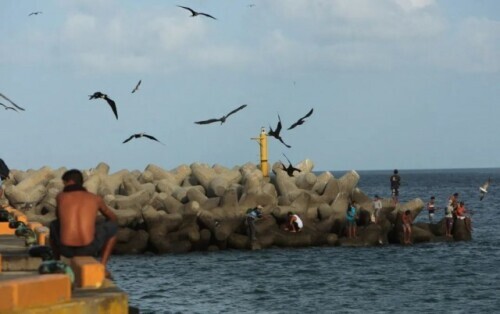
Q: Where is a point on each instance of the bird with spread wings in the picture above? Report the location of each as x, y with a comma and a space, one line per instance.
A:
11, 102
136, 88
139, 135
194, 13
276, 133
483, 189
290, 169
221, 119
110, 101
301, 120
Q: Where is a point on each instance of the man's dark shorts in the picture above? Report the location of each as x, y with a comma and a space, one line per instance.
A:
103, 232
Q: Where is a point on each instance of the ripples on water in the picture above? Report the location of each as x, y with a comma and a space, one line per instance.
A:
427, 278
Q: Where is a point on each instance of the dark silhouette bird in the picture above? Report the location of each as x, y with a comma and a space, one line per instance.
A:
483, 189
8, 108
137, 86
138, 135
301, 120
223, 118
290, 169
11, 102
109, 100
194, 13
35, 13
251, 5
276, 132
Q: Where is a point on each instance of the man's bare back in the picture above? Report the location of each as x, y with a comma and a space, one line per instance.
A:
77, 211
76, 232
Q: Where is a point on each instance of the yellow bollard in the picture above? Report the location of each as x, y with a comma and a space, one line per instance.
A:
264, 165
262, 139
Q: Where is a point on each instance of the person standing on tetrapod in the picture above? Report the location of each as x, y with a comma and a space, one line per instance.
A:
395, 183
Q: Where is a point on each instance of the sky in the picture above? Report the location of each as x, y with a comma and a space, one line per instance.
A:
406, 84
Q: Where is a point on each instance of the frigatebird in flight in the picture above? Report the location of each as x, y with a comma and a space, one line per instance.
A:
35, 13
109, 100
137, 86
223, 118
11, 102
194, 13
139, 135
484, 189
276, 132
7, 107
290, 169
301, 120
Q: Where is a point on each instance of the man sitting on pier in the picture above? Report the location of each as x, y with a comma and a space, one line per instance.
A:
76, 232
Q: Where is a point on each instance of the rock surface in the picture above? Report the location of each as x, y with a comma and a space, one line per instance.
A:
199, 207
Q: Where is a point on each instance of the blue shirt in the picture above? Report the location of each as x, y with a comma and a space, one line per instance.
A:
351, 213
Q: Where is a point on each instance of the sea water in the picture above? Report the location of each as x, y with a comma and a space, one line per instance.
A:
459, 277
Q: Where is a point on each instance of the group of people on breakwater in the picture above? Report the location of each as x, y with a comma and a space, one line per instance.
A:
199, 207
455, 209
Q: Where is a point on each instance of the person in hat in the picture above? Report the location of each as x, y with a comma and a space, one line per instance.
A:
253, 214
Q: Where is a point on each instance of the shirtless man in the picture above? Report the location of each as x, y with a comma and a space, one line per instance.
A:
407, 220
75, 232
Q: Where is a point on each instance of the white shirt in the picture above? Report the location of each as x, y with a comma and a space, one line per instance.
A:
299, 222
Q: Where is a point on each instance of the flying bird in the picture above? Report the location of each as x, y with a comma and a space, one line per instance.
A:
290, 169
194, 13
11, 102
301, 120
223, 118
138, 135
7, 107
251, 5
109, 100
35, 13
137, 86
483, 189
276, 132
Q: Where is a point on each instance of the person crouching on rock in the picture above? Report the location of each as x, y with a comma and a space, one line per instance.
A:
252, 215
295, 224
76, 232
407, 220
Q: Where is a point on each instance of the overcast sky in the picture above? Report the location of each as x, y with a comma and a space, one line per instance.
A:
408, 84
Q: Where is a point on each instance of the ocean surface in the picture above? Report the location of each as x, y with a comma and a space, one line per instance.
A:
460, 277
